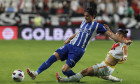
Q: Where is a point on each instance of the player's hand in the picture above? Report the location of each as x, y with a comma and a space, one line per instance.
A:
122, 60
66, 42
107, 27
128, 42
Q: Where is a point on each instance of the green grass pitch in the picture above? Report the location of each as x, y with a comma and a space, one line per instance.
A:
21, 54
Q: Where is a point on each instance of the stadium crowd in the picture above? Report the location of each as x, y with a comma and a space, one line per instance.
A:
122, 12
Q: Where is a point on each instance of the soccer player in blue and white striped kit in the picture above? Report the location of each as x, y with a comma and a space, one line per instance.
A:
75, 46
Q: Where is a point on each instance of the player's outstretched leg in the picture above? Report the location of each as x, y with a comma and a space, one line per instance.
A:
47, 64
74, 78
32, 74
112, 78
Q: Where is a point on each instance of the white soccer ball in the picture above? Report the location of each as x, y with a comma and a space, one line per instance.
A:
18, 75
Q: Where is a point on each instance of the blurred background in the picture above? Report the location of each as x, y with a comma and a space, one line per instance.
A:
58, 19
24, 22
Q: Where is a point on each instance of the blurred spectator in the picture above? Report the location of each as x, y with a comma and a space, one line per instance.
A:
101, 8
27, 6
10, 9
80, 10
37, 5
53, 8
2, 8
82, 3
122, 12
130, 11
21, 6
45, 6
74, 5
66, 7
60, 9
33, 5
115, 4
38, 21
122, 7
136, 9
92, 3
109, 8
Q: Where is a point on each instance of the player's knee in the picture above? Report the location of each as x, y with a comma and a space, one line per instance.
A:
84, 72
87, 71
65, 67
57, 56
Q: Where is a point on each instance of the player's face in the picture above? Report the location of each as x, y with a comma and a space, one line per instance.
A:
88, 17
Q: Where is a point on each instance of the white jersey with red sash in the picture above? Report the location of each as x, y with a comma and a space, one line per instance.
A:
117, 50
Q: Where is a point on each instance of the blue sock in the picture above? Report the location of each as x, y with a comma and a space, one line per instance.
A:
47, 64
68, 73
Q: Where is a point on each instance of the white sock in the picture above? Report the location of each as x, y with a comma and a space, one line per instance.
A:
111, 78
35, 73
73, 78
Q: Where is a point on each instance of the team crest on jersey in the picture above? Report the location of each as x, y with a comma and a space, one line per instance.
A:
85, 30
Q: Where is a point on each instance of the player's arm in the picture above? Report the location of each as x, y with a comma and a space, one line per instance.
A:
124, 48
108, 29
115, 37
69, 39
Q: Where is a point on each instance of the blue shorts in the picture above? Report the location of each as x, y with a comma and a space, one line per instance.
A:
72, 53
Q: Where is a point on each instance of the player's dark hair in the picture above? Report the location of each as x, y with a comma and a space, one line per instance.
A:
91, 11
123, 32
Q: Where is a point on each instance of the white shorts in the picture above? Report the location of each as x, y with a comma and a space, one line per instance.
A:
103, 69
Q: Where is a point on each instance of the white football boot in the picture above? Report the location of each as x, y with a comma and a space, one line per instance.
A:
32, 74
58, 77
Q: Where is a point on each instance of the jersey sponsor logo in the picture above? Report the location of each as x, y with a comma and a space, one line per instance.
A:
85, 30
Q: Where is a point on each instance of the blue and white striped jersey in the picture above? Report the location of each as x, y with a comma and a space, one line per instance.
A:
86, 32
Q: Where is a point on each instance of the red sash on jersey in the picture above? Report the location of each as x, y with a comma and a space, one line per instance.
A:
115, 45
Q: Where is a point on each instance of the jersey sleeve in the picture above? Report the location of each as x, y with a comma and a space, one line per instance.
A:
101, 29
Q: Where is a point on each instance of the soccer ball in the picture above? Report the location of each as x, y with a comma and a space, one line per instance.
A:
18, 75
